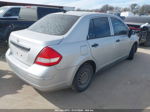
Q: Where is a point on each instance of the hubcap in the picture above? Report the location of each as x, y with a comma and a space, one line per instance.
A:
83, 79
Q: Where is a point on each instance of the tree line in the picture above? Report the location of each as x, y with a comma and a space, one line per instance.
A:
134, 8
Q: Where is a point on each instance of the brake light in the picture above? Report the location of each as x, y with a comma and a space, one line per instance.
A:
133, 28
48, 57
28, 6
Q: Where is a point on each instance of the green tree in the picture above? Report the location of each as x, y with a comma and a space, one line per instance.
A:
106, 8
126, 9
134, 8
145, 9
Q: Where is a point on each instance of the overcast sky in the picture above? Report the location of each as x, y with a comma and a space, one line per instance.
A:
85, 4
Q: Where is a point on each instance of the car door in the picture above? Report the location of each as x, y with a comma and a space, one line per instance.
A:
101, 42
122, 44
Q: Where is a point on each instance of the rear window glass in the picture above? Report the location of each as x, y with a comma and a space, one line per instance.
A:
54, 24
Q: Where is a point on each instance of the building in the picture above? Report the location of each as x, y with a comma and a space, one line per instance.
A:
4, 3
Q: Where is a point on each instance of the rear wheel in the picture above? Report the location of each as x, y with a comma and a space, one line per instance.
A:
83, 78
132, 52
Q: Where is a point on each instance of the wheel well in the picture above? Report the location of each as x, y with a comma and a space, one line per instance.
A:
92, 63
135, 43
89, 61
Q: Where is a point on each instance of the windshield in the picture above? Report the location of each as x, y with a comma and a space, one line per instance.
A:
2, 10
54, 24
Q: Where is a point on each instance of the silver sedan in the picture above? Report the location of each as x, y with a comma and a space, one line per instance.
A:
65, 50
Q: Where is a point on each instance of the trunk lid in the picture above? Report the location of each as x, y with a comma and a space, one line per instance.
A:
25, 45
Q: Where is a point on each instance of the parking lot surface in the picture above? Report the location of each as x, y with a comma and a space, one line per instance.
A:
125, 85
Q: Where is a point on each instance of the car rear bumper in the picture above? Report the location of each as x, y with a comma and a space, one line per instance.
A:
42, 78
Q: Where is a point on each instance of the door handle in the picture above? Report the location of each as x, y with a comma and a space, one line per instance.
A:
95, 45
118, 40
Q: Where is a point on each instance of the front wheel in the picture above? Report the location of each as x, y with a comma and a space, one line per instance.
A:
83, 78
132, 52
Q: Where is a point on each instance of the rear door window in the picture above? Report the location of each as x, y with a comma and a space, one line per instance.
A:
99, 28
12, 12
44, 11
91, 30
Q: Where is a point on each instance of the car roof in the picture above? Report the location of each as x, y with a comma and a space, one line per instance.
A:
12, 6
19, 6
84, 13
80, 13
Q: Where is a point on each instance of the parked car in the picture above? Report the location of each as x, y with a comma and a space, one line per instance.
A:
14, 18
66, 49
141, 25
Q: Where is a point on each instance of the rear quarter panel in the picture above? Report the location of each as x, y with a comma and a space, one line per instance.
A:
74, 54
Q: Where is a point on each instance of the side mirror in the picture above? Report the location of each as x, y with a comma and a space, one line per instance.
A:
130, 33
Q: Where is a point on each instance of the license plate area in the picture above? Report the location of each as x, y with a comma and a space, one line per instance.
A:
19, 53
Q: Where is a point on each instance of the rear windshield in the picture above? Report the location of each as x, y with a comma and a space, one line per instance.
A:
54, 24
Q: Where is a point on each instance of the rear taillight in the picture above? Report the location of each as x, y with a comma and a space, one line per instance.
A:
48, 57
134, 28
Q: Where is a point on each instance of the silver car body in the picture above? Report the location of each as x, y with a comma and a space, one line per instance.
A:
73, 46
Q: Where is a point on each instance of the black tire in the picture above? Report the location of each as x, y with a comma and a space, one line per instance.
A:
83, 78
132, 52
